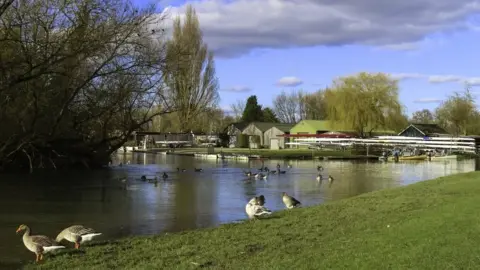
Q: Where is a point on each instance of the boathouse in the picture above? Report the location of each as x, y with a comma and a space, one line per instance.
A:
257, 129
424, 130
233, 130
274, 137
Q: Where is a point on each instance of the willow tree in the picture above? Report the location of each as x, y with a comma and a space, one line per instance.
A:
364, 102
458, 114
190, 70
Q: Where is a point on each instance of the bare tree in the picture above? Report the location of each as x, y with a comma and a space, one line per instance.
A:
190, 70
76, 79
288, 107
237, 108
424, 116
4, 4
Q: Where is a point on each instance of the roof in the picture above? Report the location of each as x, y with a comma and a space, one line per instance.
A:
322, 125
326, 125
239, 125
427, 128
283, 127
264, 126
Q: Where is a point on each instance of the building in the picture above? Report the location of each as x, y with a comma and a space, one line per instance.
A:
424, 130
258, 129
311, 127
274, 136
314, 128
233, 130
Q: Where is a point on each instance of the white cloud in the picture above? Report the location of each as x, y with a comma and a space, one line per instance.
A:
444, 78
289, 81
436, 79
235, 27
428, 100
406, 76
402, 46
237, 89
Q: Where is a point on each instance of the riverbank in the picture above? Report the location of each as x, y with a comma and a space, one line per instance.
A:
428, 225
301, 154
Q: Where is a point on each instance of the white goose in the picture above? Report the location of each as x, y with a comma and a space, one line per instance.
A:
255, 208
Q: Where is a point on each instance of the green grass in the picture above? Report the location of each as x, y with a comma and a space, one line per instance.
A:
429, 225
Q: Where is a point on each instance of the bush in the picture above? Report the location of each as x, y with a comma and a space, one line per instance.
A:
242, 141
224, 139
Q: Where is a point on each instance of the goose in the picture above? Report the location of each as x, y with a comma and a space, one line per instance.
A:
282, 172
330, 179
181, 170
77, 234
261, 176
319, 177
261, 200
198, 170
38, 244
143, 178
254, 210
319, 168
290, 202
164, 175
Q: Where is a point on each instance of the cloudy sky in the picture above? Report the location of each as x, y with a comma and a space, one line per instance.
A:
265, 46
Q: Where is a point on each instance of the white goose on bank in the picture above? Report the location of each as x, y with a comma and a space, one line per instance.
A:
255, 208
38, 244
77, 234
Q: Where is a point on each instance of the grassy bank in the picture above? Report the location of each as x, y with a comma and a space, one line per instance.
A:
429, 225
272, 154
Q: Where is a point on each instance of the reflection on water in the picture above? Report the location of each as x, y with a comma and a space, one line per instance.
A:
49, 202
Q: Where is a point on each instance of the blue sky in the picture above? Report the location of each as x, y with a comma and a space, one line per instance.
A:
431, 46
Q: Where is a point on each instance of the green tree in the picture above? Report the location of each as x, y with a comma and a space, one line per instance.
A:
190, 70
424, 116
458, 114
253, 111
269, 115
364, 102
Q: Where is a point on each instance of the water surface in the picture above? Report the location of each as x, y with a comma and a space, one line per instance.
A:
49, 202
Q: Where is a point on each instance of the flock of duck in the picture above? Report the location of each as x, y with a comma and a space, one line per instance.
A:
78, 234
41, 244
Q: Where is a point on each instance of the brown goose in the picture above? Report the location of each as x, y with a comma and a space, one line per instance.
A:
38, 244
289, 201
77, 234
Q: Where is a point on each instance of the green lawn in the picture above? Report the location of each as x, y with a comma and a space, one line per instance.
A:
430, 225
